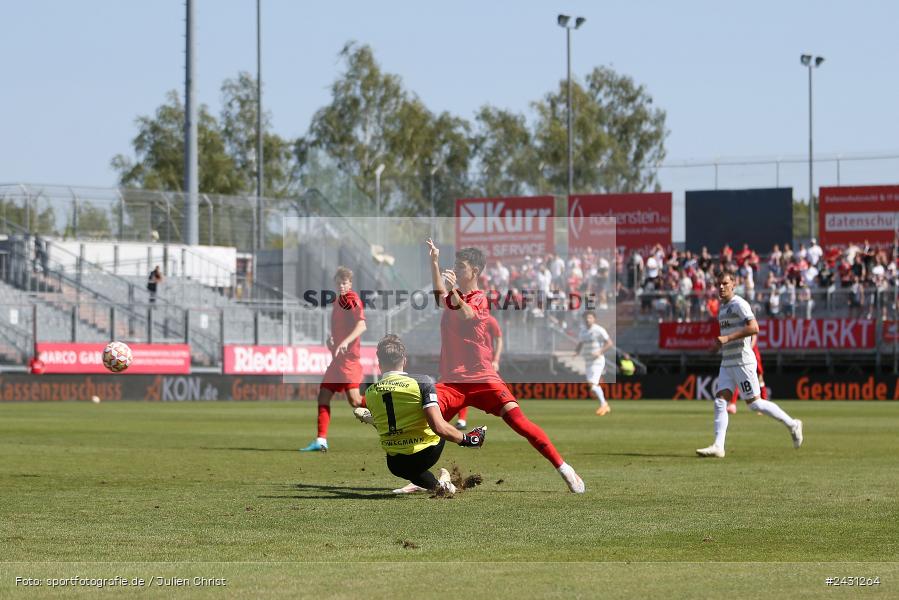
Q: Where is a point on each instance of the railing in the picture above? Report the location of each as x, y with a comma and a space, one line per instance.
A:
563, 340
16, 327
829, 302
315, 204
419, 307
72, 285
77, 212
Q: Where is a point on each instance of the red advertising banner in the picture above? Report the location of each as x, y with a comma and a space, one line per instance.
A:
856, 214
287, 360
815, 334
87, 358
506, 229
688, 336
776, 334
642, 220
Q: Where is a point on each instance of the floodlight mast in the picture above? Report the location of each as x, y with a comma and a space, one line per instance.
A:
807, 61
378, 171
563, 21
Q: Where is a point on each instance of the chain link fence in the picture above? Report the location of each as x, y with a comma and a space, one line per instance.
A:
773, 172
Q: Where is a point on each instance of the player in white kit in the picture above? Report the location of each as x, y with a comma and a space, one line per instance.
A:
738, 368
593, 343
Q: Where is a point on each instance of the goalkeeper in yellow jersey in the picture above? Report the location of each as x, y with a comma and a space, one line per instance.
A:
404, 410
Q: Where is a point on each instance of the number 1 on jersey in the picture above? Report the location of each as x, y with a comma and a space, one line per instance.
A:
391, 416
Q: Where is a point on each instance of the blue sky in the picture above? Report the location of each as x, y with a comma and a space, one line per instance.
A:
76, 74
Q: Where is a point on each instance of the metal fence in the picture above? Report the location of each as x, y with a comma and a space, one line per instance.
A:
79, 212
772, 171
650, 307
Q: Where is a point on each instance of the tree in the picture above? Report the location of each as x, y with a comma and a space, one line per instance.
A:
451, 155
618, 135
238, 128
800, 217
354, 128
373, 120
93, 221
36, 222
507, 161
159, 153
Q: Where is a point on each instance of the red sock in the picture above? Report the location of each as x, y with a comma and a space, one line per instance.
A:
463, 414
324, 419
363, 405
733, 399
524, 427
764, 393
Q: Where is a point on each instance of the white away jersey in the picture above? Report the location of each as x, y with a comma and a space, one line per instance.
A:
733, 317
592, 340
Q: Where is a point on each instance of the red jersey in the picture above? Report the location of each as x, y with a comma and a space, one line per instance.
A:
466, 350
493, 332
758, 356
346, 313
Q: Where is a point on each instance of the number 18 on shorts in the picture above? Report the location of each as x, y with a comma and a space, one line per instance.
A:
741, 380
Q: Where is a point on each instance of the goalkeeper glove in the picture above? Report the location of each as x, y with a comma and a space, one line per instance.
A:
474, 438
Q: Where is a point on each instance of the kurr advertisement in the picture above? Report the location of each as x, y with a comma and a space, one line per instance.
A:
506, 229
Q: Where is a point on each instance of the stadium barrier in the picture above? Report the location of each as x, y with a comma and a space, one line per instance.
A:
832, 302
776, 334
87, 358
16, 387
243, 359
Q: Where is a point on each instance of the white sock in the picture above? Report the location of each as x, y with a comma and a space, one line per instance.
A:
321, 440
597, 389
766, 407
721, 420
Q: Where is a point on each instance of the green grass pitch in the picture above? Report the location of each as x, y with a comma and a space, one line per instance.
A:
218, 490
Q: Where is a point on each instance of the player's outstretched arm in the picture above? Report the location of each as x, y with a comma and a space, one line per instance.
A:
358, 330
436, 277
441, 427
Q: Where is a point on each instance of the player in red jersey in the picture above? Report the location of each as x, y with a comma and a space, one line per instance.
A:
467, 375
495, 341
763, 389
344, 374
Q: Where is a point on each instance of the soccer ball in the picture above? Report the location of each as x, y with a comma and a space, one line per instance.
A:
117, 356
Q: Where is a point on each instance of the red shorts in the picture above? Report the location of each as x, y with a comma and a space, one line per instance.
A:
489, 396
342, 375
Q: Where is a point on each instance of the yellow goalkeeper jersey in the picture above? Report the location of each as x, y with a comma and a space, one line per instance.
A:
397, 402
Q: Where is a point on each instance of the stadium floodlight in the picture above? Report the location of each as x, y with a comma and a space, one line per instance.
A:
378, 171
436, 166
432, 172
807, 61
563, 21
260, 159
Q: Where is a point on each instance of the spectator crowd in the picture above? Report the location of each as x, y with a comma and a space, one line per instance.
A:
858, 281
